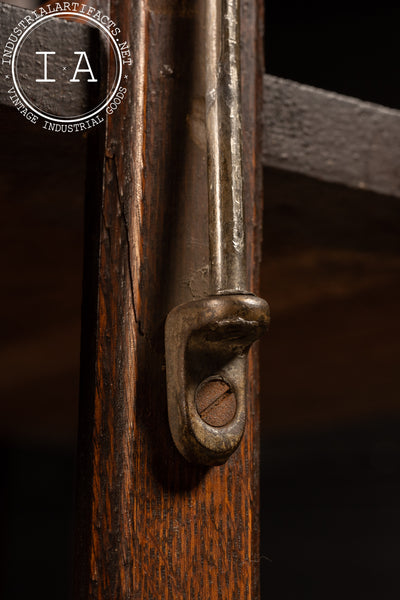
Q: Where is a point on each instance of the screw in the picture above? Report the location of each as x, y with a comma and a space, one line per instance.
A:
215, 402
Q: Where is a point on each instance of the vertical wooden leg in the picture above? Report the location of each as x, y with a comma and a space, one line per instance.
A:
150, 525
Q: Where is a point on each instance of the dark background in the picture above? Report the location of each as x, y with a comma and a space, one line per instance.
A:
330, 490
330, 468
347, 47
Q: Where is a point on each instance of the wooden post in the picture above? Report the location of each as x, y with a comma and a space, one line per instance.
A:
149, 524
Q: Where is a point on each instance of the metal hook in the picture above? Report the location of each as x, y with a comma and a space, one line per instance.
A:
207, 340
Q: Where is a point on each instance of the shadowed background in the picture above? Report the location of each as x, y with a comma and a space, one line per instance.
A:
330, 394
330, 484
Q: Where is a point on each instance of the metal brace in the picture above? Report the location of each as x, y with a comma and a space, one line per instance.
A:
207, 340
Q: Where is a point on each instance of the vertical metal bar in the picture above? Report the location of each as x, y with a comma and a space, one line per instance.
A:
207, 340
223, 121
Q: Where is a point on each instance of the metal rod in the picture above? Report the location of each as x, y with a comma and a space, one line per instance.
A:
223, 122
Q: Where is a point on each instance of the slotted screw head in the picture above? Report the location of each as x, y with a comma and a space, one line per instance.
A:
215, 402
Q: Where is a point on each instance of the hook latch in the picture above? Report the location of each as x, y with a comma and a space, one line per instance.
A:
207, 342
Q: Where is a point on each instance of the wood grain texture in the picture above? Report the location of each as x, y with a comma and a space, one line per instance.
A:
331, 137
149, 524
310, 131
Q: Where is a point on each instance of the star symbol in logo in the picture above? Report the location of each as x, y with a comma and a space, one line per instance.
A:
126, 76
65, 68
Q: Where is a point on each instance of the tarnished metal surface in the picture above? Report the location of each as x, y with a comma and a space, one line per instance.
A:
207, 340
322, 134
210, 338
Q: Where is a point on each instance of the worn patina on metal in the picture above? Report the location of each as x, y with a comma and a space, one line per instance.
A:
207, 340
224, 148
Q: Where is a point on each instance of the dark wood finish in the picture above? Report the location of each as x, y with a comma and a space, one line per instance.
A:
150, 525
331, 137
307, 130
